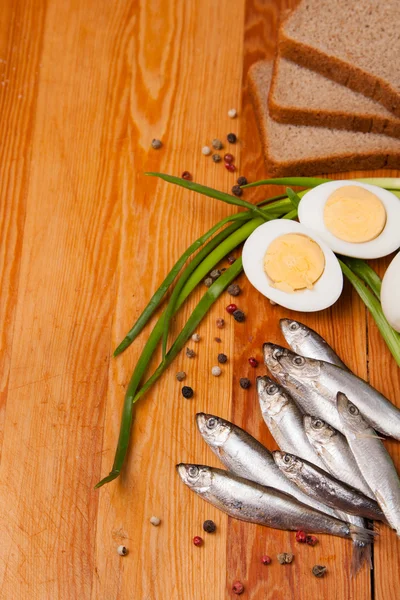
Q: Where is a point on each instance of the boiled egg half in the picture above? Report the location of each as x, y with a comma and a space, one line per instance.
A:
290, 265
354, 219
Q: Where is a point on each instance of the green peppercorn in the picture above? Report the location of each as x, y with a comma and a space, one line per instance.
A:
319, 570
245, 383
208, 282
234, 289
216, 158
215, 274
239, 316
285, 558
222, 358
156, 144
190, 353
187, 392
217, 144
181, 375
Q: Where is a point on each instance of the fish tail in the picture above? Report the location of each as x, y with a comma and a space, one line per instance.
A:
362, 541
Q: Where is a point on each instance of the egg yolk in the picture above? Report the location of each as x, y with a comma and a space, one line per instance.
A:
354, 214
293, 262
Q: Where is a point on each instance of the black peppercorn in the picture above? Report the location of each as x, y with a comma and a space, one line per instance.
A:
231, 137
242, 181
209, 526
245, 383
216, 158
190, 353
239, 316
237, 190
222, 358
234, 289
187, 392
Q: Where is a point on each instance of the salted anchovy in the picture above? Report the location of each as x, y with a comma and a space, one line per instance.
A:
249, 501
308, 398
373, 460
244, 456
307, 342
327, 380
319, 484
284, 419
336, 454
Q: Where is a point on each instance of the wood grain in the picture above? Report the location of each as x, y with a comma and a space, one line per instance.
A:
86, 238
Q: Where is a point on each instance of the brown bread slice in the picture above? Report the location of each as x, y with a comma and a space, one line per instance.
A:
356, 43
305, 97
301, 150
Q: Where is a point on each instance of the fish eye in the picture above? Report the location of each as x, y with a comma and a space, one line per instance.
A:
211, 423
298, 361
287, 459
318, 424
353, 410
293, 326
193, 471
272, 389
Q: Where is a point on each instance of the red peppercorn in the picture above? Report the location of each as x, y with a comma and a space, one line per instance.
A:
311, 540
229, 158
266, 560
186, 175
197, 540
238, 588
231, 259
231, 308
253, 361
301, 537
230, 167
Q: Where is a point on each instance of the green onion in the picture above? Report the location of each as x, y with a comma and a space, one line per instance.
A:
309, 182
291, 215
293, 197
389, 183
364, 272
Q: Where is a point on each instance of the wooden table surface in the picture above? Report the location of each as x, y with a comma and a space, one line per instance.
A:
86, 238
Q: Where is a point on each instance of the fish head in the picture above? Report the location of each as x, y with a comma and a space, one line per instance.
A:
271, 354
298, 366
317, 429
214, 430
197, 477
294, 332
288, 463
350, 416
271, 396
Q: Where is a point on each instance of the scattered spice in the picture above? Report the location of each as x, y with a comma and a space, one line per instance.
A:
231, 259
222, 358
196, 338
232, 113
245, 383
155, 521
186, 175
220, 323
122, 550
234, 289
208, 282
181, 375
187, 392
156, 144
231, 137
206, 150
301, 537
215, 274
237, 190
190, 353
285, 558
216, 158
239, 316
229, 158
238, 588
218, 340
231, 308
216, 371
197, 540
223, 269
209, 526
319, 570
266, 560
311, 540
253, 362
242, 180
230, 167
217, 144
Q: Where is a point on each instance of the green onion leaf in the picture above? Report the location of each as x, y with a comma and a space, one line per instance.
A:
364, 272
293, 197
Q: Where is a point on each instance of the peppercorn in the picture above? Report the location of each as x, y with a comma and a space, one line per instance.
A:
266, 560
181, 375
215, 274
231, 308
231, 259
238, 588
253, 362
197, 540
218, 340
208, 282
186, 175
222, 358
237, 190
242, 180
216, 158
319, 570
216, 371
155, 521
206, 150
196, 338
220, 323
217, 144
301, 537
239, 316
230, 167
245, 383
311, 540
223, 269
156, 144
231, 137
190, 353
285, 558
232, 113
234, 289
209, 526
122, 550
228, 157
187, 392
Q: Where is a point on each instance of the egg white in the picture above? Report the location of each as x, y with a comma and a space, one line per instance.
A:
325, 291
311, 214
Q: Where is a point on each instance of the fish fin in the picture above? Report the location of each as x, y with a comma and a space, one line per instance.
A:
362, 540
360, 436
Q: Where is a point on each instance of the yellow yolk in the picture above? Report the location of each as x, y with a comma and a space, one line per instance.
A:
354, 214
293, 262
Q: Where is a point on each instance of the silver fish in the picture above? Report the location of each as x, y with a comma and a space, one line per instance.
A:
307, 342
373, 460
284, 419
244, 456
336, 454
321, 485
308, 398
249, 501
327, 379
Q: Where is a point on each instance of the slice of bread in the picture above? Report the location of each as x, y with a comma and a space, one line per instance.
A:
354, 43
301, 150
304, 97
